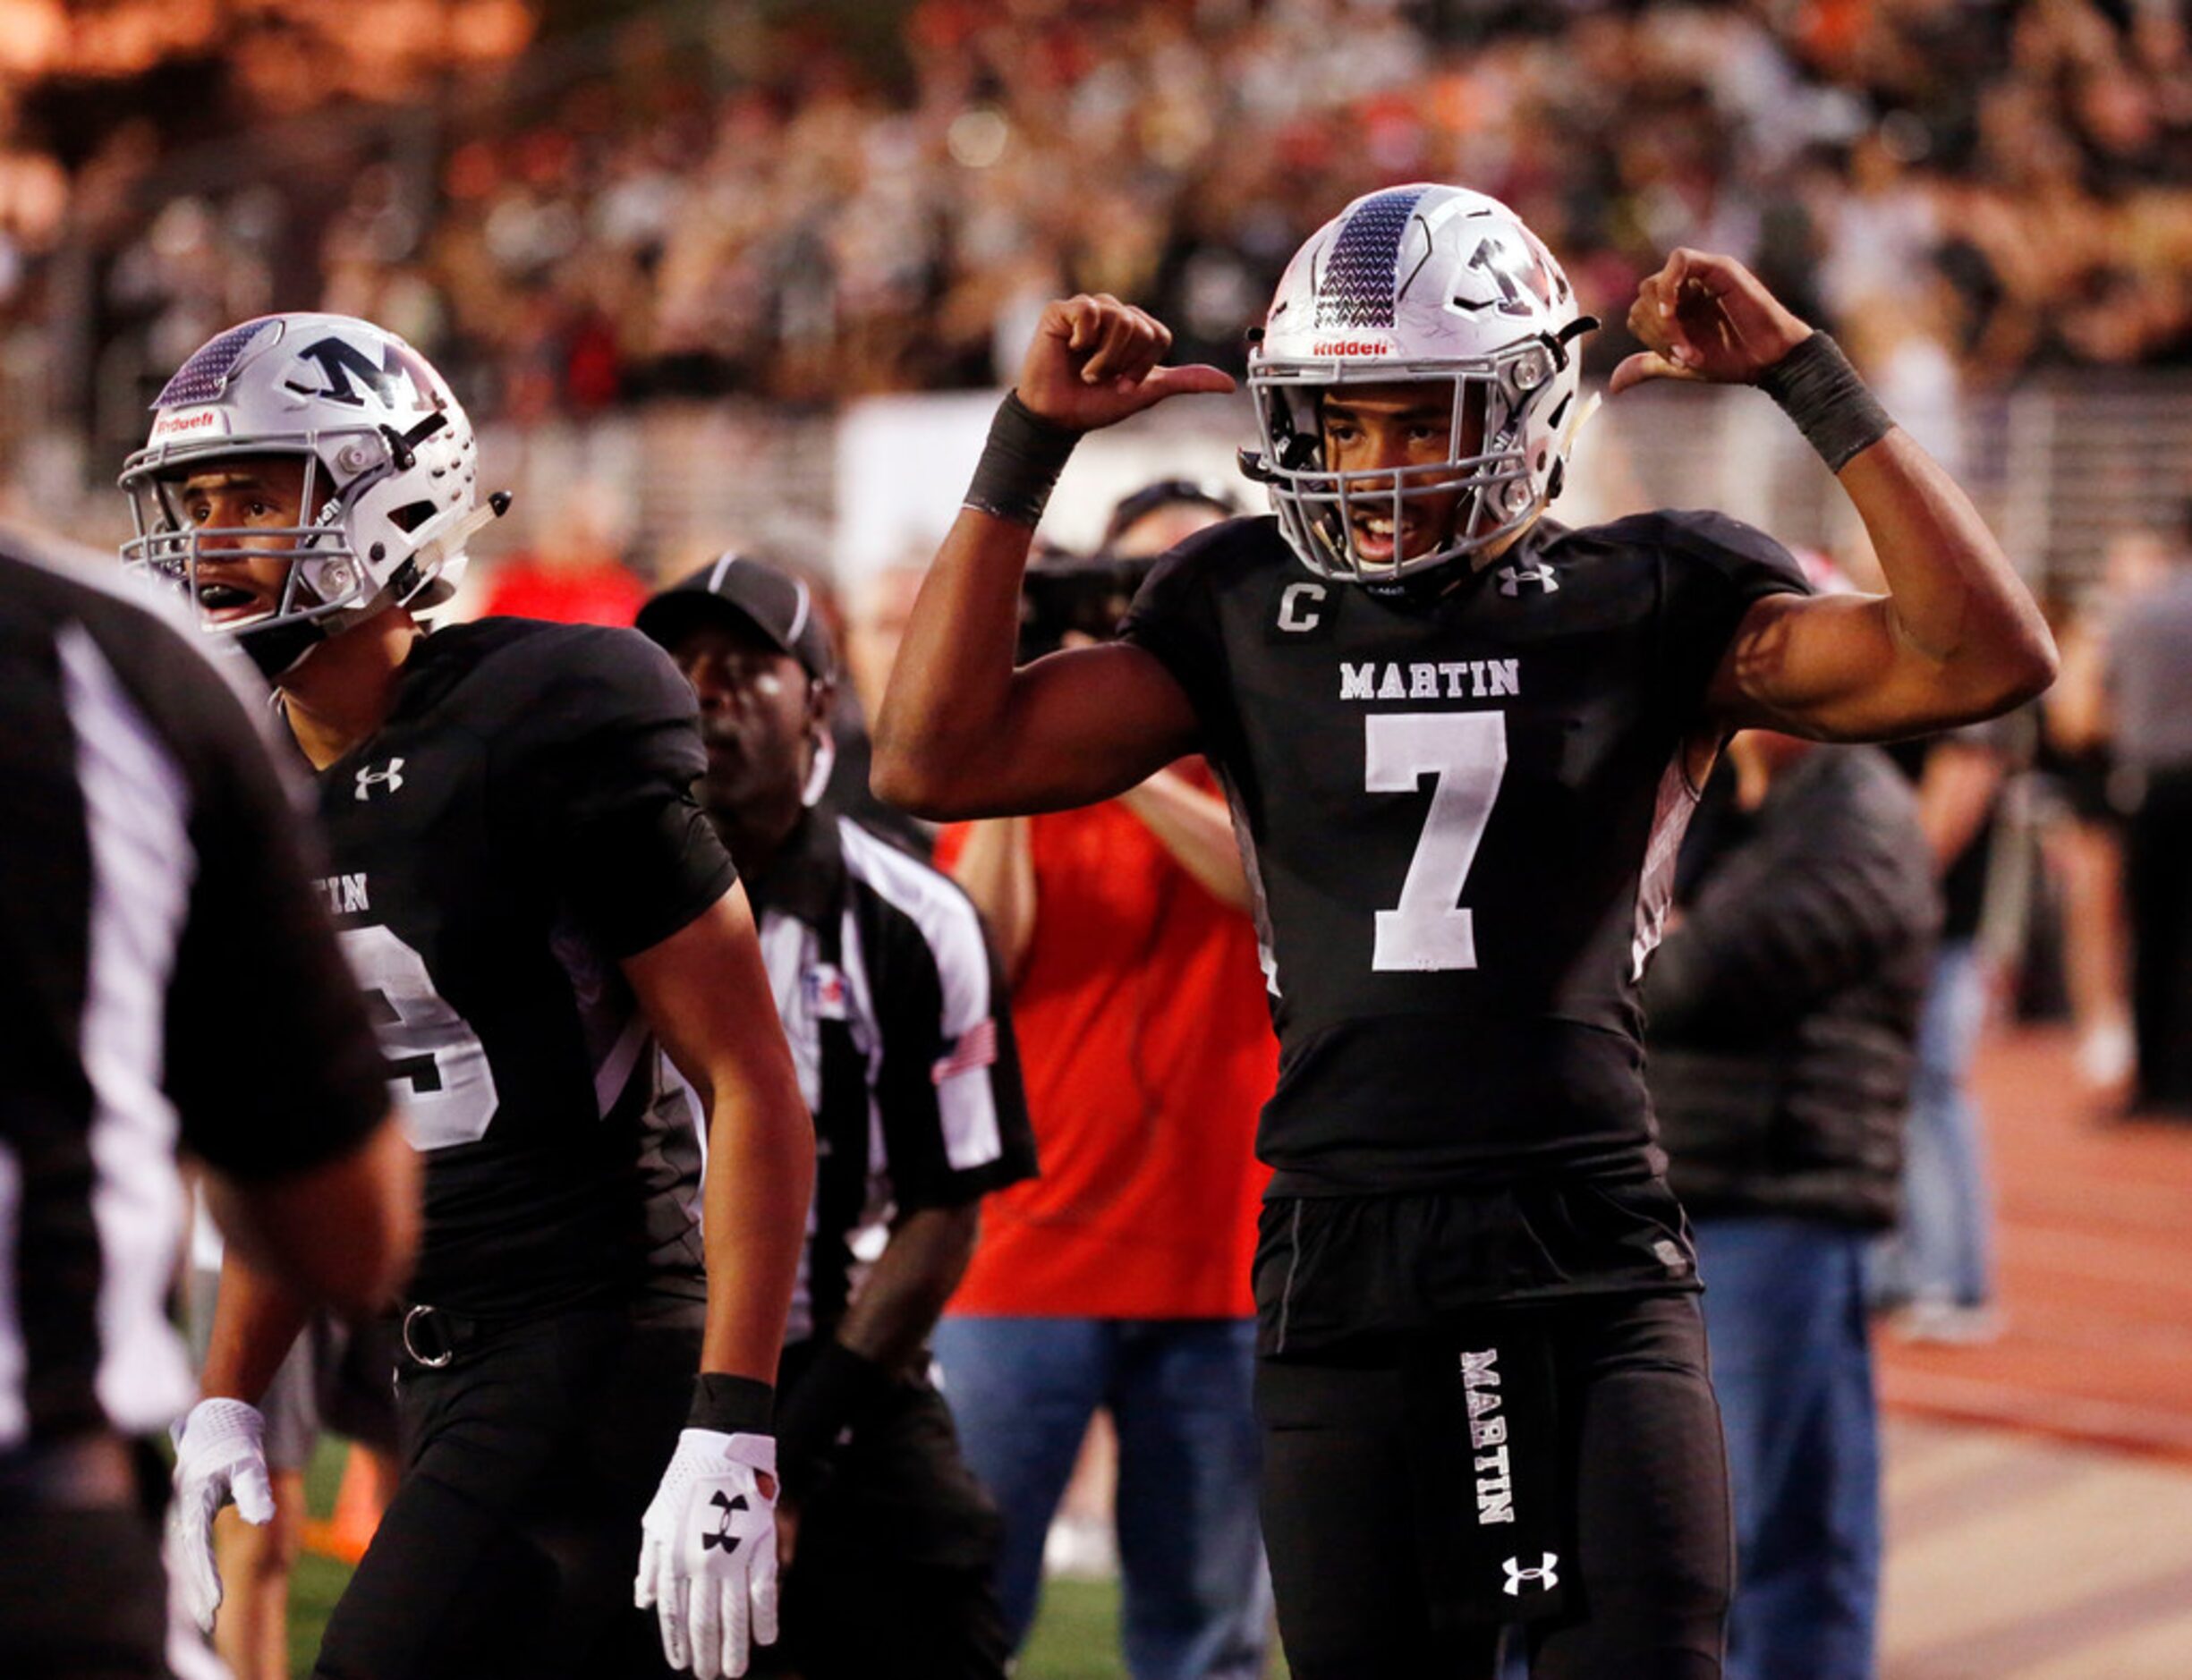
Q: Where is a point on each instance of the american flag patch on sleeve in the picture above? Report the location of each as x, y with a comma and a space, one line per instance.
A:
976, 1048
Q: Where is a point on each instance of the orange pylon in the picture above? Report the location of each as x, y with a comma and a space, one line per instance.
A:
358, 1505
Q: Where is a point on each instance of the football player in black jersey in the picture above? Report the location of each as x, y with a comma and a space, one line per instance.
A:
570, 997
1461, 742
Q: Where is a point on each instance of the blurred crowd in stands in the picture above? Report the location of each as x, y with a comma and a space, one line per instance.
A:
759, 199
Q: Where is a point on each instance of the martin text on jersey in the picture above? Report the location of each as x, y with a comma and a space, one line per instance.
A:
1447, 679
347, 894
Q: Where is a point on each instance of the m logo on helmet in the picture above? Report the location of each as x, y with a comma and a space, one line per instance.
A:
350, 373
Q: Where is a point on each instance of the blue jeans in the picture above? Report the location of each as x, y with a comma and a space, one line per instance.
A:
1196, 1604
1785, 1318
1944, 1249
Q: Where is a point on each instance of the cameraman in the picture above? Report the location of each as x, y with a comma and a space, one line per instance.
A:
1119, 1280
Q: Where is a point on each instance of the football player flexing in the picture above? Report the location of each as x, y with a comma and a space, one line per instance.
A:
533, 903
1461, 742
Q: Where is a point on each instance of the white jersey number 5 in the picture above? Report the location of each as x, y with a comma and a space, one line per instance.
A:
438, 1067
1467, 754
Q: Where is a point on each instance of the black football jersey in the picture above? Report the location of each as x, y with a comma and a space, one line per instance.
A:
521, 821
1460, 810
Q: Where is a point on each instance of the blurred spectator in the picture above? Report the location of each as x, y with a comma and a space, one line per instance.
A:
1937, 1268
2084, 844
877, 609
874, 621
1151, 520
575, 574
773, 210
1783, 1008
2150, 690
895, 1015
1119, 1280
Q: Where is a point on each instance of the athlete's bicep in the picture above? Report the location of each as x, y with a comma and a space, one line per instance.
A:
1081, 725
1834, 667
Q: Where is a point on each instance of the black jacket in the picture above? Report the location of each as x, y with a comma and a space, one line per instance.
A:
1783, 1008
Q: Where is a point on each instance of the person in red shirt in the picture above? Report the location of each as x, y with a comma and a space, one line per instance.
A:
575, 574
1119, 1278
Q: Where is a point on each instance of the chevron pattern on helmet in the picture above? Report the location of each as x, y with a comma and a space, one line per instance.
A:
1359, 280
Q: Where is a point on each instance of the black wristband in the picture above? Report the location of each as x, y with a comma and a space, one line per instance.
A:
1818, 389
733, 1405
838, 1389
1020, 463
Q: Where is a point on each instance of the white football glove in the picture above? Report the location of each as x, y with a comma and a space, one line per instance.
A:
708, 1552
219, 1455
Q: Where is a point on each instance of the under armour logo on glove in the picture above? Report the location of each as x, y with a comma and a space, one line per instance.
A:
1542, 1575
729, 1510
1512, 579
713, 1593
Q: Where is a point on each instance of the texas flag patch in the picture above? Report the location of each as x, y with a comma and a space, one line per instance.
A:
828, 998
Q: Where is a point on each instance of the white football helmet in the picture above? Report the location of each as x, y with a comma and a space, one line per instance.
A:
391, 486
1429, 283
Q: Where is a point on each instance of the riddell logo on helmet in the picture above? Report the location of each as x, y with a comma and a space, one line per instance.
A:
1349, 347
204, 420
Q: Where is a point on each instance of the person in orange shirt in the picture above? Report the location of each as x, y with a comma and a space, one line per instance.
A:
1120, 1278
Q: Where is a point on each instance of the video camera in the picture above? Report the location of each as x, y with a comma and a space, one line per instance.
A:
1063, 592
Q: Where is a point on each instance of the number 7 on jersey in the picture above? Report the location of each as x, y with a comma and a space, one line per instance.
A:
1465, 753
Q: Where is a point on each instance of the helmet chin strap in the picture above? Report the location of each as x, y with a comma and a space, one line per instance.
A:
275, 648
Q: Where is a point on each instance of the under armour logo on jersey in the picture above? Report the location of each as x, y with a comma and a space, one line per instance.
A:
1512, 579
368, 778
727, 1509
1542, 1575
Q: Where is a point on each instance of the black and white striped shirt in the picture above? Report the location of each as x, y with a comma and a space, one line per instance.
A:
167, 978
896, 1019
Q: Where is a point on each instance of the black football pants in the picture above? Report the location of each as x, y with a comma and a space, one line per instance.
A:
512, 1542
1644, 1468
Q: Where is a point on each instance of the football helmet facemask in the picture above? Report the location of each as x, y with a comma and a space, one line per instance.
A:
391, 477
1430, 285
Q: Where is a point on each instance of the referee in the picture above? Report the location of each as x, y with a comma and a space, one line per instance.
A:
167, 979
897, 1024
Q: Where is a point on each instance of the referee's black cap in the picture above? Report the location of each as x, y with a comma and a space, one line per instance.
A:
778, 604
